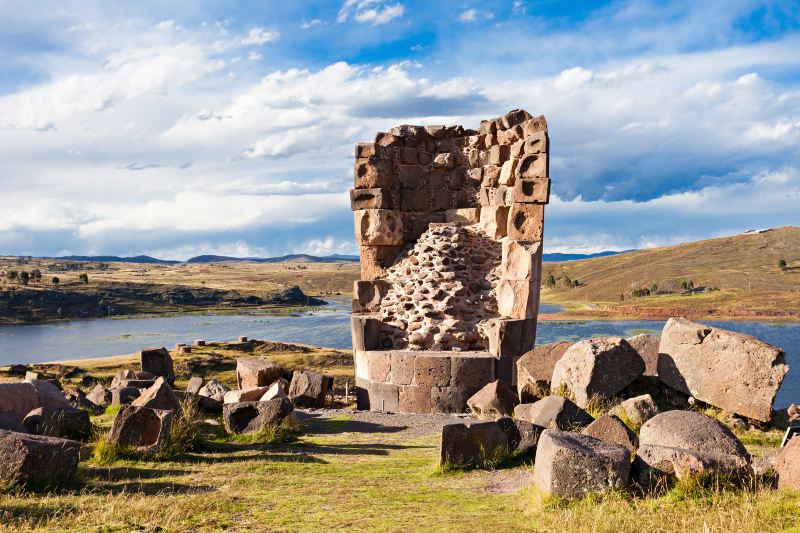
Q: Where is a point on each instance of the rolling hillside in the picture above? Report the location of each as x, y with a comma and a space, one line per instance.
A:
744, 268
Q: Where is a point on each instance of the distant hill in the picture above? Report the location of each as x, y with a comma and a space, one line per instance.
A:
558, 257
116, 259
292, 258
746, 261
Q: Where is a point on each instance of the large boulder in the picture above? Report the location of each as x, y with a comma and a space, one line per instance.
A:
555, 412
124, 395
493, 400
214, 389
10, 421
787, 465
252, 417
50, 395
36, 460
638, 410
468, 442
535, 370
64, 422
194, 385
142, 428
597, 367
158, 362
99, 396
646, 346
687, 443
257, 372
159, 396
18, 397
129, 378
276, 390
611, 429
522, 436
571, 465
732, 371
309, 388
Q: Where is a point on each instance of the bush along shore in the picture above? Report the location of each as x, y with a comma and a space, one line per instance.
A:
599, 435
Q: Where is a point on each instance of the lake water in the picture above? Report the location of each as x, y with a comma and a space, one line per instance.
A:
328, 326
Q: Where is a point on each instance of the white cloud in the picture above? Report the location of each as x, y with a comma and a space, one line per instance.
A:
259, 36
167, 25
375, 12
253, 56
469, 15
310, 23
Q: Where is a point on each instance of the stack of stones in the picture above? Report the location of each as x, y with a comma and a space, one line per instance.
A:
450, 224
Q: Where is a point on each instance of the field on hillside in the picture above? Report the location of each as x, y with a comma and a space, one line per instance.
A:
361, 472
132, 288
737, 277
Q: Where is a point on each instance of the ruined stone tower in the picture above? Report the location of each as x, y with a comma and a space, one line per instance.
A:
449, 223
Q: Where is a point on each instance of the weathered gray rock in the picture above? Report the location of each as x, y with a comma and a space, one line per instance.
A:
18, 397
611, 429
159, 396
732, 371
638, 410
37, 461
787, 465
257, 372
647, 347
99, 396
158, 362
252, 417
493, 400
686, 443
252, 394
472, 443
522, 436
554, 412
571, 465
276, 390
535, 370
124, 395
597, 367
765, 465
142, 428
10, 421
77, 398
64, 422
214, 389
194, 385
309, 388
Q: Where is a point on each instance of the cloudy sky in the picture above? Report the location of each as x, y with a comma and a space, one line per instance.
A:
187, 127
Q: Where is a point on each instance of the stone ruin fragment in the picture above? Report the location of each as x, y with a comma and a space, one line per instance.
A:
449, 223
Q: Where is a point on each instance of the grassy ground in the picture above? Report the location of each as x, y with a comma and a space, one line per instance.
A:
360, 472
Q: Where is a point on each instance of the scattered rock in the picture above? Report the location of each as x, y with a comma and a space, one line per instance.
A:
252, 394
99, 396
159, 396
252, 417
77, 399
535, 369
214, 389
493, 400
787, 465
158, 362
522, 436
793, 412
571, 465
309, 388
597, 367
555, 412
638, 410
611, 429
276, 390
10, 421
64, 422
257, 372
36, 460
142, 428
24, 397
472, 443
194, 385
765, 465
735, 372
124, 395
647, 347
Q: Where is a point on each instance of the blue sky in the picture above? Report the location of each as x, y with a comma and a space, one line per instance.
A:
181, 128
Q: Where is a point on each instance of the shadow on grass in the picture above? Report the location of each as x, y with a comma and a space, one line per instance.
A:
118, 473
355, 448
31, 511
318, 425
163, 488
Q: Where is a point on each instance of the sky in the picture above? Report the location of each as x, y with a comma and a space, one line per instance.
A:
182, 128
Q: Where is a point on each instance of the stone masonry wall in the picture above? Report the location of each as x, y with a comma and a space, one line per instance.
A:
449, 224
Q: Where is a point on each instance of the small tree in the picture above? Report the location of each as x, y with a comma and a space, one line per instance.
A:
12, 275
551, 281
654, 289
36, 275
55, 280
24, 277
782, 264
84, 278
621, 296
